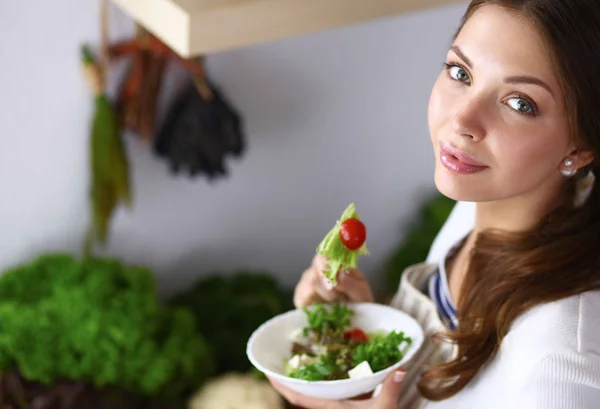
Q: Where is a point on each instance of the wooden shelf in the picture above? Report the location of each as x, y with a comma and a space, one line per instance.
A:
197, 27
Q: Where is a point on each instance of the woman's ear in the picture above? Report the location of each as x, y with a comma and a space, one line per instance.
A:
582, 157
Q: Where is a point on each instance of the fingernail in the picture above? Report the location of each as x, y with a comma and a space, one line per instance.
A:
399, 376
328, 284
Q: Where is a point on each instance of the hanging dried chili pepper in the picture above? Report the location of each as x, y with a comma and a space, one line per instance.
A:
139, 91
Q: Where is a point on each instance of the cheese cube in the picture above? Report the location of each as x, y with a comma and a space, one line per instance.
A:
297, 335
403, 346
360, 371
306, 360
294, 362
319, 349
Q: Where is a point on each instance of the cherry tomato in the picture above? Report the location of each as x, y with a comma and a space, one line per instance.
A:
356, 334
353, 233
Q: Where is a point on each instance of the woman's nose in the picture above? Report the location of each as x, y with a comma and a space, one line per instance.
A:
470, 117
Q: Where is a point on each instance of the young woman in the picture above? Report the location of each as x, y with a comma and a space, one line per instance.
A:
515, 304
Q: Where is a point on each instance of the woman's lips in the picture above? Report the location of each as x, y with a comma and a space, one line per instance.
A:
457, 161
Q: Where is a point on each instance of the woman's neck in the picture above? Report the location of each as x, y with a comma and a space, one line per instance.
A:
513, 215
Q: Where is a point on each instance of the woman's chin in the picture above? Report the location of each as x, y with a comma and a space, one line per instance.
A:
459, 190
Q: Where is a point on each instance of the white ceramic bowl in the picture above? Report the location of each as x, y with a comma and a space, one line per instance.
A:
270, 345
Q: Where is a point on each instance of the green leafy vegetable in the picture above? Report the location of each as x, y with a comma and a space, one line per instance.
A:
323, 318
317, 371
228, 307
99, 322
332, 247
382, 351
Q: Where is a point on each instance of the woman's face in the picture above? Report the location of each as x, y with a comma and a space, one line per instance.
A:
497, 115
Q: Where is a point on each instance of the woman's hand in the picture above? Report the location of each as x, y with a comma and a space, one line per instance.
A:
314, 287
387, 398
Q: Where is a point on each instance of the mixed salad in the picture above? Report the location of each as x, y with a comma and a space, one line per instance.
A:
329, 348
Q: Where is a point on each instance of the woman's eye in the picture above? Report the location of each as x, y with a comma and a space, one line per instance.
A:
521, 105
458, 73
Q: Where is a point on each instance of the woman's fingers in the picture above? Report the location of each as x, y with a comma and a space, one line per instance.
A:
354, 286
324, 288
307, 291
304, 294
314, 287
390, 391
387, 398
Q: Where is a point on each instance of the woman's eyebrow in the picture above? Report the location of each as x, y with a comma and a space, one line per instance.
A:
517, 79
523, 79
462, 56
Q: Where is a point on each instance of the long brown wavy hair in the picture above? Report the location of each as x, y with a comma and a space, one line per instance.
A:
510, 273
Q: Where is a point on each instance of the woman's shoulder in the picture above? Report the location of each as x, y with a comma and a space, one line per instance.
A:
556, 349
569, 325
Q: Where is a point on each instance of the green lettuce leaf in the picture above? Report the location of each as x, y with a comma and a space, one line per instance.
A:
339, 257
382, 351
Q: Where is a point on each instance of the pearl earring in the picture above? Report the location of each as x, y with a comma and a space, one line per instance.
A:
568, 172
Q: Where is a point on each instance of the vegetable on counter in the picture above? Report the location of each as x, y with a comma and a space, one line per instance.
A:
229, 307
21, 393
329, 348
236, 391
344, 243
97, 324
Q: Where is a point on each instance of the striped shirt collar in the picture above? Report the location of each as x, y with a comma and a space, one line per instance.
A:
439, 289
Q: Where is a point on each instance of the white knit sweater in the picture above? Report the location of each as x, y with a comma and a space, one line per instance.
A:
550, 359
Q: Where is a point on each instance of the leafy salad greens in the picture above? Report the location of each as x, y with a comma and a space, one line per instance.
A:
338, 254
329, 348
